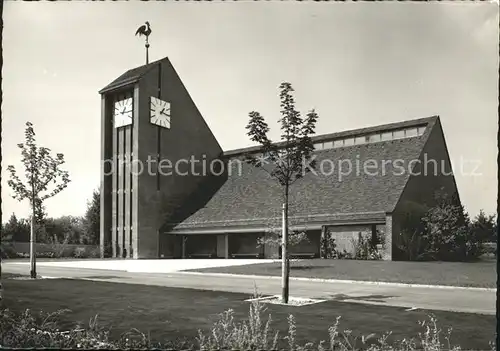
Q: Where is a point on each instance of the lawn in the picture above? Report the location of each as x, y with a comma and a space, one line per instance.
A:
177, 314
474, 274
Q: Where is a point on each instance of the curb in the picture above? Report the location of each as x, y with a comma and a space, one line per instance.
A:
341, 281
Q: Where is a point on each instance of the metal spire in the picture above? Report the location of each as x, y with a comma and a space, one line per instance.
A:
145, 30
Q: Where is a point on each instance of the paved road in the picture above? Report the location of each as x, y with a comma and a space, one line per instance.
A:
457, 300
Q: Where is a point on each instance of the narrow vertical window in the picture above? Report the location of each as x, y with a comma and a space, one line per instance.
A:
360, 140
411, 132
328, 145
338, 143
386, 136
318, 146
398, 134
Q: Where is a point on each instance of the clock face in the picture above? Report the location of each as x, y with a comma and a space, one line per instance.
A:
160, 112
123, 112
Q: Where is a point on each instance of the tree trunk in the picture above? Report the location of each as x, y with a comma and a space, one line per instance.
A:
32, 244
1, 287
285, 269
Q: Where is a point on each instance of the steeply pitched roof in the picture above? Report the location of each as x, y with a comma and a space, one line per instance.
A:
129, 77
250, 196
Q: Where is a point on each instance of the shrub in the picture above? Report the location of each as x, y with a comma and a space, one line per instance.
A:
39, 254
328, 245
442, 232
60, 247
95, 252
45, 254
108, 250
80, 252
448, 235
27, 330
409, 244
41, 331
490, 248
365, 249
86, 252
7, 251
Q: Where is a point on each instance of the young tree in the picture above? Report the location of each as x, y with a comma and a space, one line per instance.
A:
44, 179
273, 238
290, 159
92, 219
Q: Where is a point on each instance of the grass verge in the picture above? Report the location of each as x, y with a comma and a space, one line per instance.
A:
477, 274
178, 314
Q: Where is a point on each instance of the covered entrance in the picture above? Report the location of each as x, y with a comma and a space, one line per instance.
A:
307, 248
170, 246
205, 246
245, 245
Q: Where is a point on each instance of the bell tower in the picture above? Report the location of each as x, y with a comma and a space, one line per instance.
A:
150, 129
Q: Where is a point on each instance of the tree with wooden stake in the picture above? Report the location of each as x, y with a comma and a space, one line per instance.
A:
289, 160
44, 179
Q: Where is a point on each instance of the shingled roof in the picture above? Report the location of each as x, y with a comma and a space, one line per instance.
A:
250, 197
131, 76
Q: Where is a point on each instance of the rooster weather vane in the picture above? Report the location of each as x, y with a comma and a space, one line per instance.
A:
145, 30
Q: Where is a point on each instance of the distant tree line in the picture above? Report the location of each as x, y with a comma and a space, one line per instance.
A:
83, 230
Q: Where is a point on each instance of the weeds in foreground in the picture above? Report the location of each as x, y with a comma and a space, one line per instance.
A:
28, 330
227, 334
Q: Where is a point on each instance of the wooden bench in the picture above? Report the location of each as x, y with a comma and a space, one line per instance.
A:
304, 255
246, 255
202, 255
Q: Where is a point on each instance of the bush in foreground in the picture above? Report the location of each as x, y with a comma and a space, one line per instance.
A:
27, 330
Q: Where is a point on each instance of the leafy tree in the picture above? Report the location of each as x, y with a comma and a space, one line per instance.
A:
448, 234
6, 249
44, 179
289, 160
18, 229
68, 228
92, 220
485, 227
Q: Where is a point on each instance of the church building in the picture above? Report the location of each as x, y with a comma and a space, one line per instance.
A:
156, 202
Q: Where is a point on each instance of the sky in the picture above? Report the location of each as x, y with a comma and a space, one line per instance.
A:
358, 64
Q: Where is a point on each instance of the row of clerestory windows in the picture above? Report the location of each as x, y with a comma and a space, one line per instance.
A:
362, 139
371, 138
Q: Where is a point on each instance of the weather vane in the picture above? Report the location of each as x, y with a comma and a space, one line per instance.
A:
145, 30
